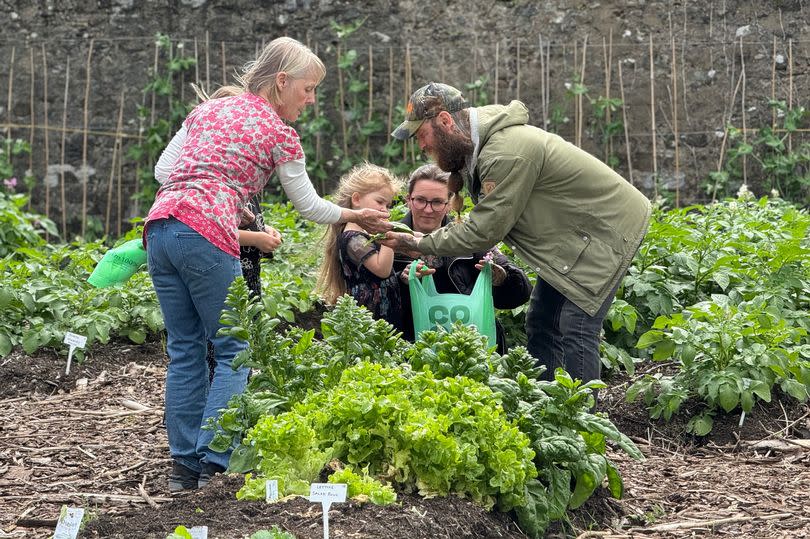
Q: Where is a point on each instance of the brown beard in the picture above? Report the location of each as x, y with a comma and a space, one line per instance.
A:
451, 150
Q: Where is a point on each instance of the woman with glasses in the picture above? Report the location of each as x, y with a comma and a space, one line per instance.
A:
429, 202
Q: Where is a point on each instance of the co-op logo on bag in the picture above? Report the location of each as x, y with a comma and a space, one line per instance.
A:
444, 316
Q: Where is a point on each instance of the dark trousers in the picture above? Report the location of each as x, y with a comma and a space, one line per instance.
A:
560, 334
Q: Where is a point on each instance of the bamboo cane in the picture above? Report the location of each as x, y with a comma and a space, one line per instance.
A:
580, 97
119, 168
607, 60
46, 148
726, 119
30, 168
790, 90
408, 82
207, 62
652, 119
390, 94
153, 97
773, 84
543, 84
370, 112
318, 141
675, 134
10, 93
85, 173
742, 110
197, 64
342, 109
115, 155
517, 70
224, 63
626, 128
62, 167
497, 61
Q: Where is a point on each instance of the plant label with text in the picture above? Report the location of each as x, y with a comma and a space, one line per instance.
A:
70, 520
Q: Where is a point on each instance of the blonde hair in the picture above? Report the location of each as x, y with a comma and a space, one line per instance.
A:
223, 91
363, 179
282, 54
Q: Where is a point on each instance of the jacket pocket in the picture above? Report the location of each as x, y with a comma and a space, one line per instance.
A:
586, 260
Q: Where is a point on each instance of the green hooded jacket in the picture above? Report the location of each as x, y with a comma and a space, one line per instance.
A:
563, 211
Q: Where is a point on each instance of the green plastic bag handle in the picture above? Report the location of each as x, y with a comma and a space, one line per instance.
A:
118, 264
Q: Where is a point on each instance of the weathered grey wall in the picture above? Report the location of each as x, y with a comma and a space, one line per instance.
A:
458, 41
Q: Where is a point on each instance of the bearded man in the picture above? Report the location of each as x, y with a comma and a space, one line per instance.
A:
561, 210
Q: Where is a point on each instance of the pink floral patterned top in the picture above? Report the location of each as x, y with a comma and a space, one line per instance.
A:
233, 146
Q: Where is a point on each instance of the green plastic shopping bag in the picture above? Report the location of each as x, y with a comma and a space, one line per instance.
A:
431, 309
119, 264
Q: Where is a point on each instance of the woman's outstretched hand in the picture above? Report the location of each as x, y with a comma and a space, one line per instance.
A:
372, 221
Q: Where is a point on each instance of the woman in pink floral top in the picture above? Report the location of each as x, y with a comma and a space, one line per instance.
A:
232, 146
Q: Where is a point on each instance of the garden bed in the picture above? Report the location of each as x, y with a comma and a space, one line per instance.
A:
82, 440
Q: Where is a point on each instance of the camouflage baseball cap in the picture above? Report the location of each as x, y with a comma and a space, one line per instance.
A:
427, 102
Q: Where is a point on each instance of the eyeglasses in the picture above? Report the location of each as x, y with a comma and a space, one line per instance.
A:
420, 203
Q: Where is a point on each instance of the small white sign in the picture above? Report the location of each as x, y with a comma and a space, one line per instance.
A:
70, 520
327, 492
198, 532
73, 340
270, 490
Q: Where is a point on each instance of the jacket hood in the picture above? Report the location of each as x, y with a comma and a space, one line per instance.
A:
493, 118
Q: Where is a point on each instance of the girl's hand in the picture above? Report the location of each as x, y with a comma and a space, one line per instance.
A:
246, 218
273, 232
422, 270
498, 273
267, 242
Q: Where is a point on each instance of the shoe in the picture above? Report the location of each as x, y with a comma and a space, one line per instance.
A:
182, 478
209, 470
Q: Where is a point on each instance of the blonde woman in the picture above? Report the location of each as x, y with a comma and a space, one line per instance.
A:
352, 264
231, 147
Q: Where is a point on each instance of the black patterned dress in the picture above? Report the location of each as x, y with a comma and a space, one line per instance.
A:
250, 257
380, 296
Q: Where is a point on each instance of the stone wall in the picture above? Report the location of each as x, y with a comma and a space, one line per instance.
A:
516, 49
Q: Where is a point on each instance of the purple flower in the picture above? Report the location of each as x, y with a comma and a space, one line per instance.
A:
10, 183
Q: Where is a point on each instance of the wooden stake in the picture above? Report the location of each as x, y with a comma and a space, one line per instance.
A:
497, 61
675, 134
726, 120
84, 137
626, 129
46, 148
652, 119
62, 168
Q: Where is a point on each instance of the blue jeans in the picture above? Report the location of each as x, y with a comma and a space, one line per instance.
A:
560, 334
191, 277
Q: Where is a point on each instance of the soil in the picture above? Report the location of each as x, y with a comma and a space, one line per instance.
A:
95, 439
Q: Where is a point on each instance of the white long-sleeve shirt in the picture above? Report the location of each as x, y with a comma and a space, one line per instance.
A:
293, 175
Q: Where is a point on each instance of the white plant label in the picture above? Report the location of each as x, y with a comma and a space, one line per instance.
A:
271, 490
198, 532
70, 520
326, 493
73, 340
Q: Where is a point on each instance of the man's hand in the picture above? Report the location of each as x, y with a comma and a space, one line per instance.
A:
422, 270
403, 243
498, 273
